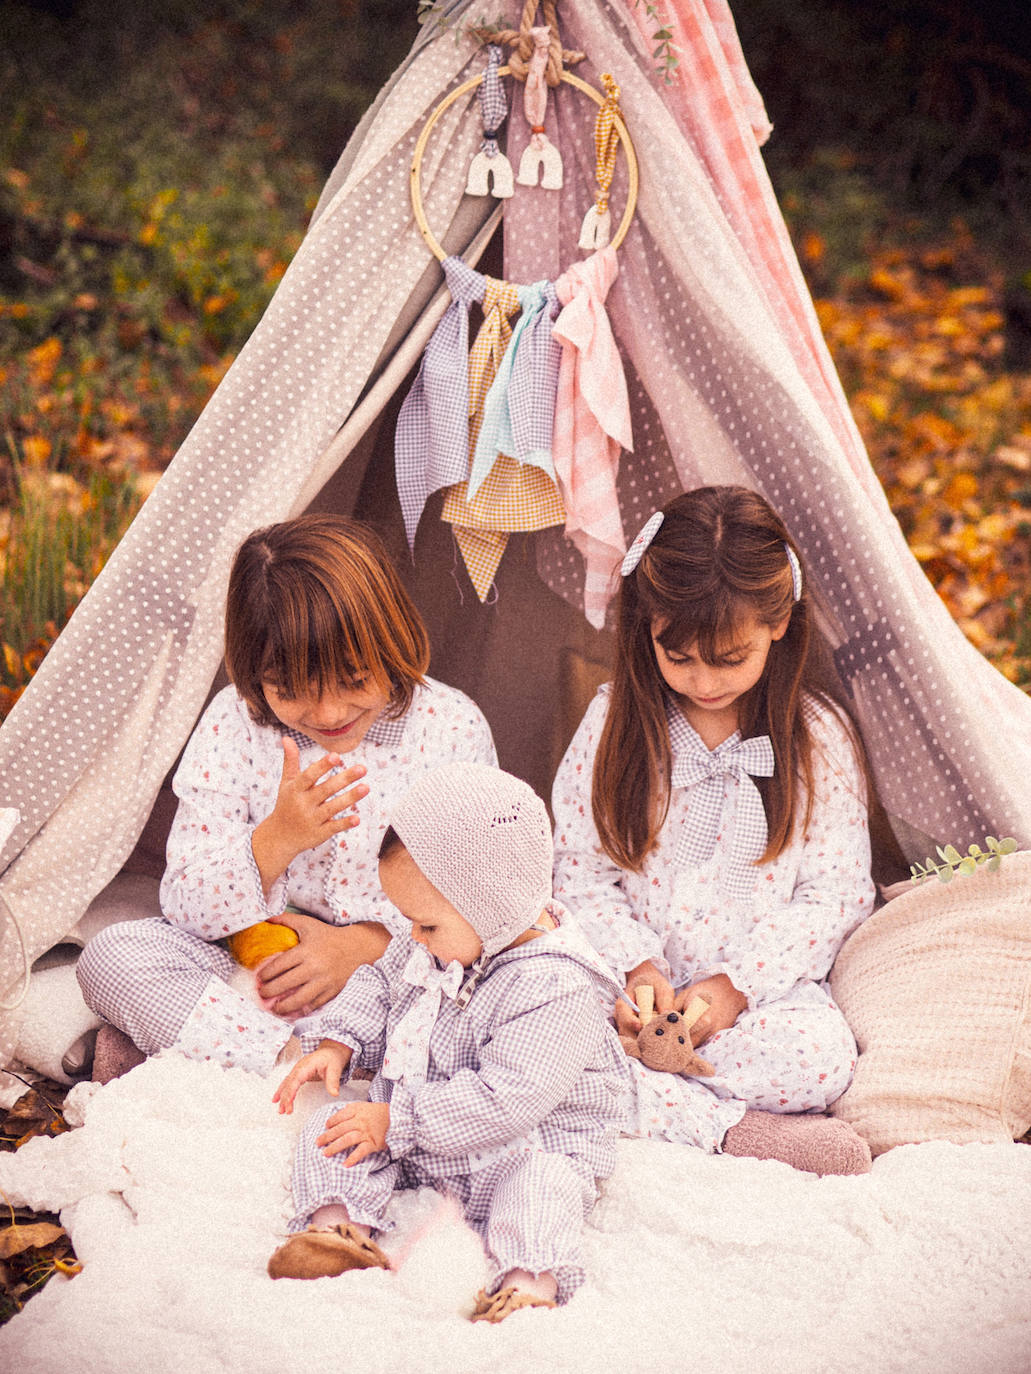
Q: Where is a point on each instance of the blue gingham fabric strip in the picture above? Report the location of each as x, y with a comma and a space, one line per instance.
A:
519, 409
493, 105
703, 771
431, 441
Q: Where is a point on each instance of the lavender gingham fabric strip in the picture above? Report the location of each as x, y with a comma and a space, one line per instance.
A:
493, 105
703, 771
519, 411
431, 441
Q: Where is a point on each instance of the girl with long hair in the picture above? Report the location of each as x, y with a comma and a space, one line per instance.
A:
711, 830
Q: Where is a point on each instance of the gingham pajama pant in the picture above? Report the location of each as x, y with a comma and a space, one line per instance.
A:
528, 1205
165, 987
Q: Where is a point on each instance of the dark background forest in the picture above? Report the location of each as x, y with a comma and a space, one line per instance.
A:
159, 162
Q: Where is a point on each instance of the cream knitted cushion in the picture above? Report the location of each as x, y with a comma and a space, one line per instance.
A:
936, 986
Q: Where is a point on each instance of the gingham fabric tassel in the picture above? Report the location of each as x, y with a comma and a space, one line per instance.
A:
540, 156
595, 231
490, 170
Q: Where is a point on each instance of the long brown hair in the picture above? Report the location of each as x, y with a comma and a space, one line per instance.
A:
719, 555
314, 603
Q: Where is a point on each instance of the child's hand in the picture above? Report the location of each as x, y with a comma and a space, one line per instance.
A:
725, 1005
313, 971
311, 806
328, 1062
627, 1021
360, 1127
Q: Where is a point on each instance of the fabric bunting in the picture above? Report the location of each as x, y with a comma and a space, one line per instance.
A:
431, 441
592, 424
519, 410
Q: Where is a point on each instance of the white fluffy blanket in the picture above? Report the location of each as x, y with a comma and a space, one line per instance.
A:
174, 1190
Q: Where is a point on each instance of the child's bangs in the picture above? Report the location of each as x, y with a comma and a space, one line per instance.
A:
709, 625
313, 646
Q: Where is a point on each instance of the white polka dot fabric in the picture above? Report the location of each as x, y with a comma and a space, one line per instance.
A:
84, 753
730, 382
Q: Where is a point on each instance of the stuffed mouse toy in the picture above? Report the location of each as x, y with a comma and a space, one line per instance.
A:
664, 1040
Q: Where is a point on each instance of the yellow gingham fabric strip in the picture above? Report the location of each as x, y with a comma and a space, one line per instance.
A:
512, 497
500, 303
606, 141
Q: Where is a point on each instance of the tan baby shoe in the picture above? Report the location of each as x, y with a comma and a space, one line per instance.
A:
321, 1254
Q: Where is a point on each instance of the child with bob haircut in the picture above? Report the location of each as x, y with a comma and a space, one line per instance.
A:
711, 830
498, 1079
284, 793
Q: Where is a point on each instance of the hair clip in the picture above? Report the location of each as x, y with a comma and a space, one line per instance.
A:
796, 571
637, 549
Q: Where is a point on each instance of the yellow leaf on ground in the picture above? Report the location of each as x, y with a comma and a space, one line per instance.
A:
15, 1239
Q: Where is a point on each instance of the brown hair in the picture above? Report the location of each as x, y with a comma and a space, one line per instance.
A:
718, 555
315, 602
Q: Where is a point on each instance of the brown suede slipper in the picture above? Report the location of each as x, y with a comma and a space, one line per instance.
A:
495, 1307
322, 1254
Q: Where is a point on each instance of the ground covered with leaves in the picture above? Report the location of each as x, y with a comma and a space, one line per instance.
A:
34, 1246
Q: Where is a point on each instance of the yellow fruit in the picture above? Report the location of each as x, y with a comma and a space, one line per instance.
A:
250, 946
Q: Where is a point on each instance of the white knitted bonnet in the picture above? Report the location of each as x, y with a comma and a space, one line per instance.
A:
483, 839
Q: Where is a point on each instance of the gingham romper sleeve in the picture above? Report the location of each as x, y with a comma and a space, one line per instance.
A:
529, 1059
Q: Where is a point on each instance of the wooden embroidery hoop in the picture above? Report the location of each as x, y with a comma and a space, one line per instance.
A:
471, 84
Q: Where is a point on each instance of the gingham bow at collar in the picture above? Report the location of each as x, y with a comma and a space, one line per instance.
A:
703, 772
408, 1049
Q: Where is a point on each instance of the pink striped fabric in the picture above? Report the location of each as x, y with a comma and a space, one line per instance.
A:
592, 424
716, 103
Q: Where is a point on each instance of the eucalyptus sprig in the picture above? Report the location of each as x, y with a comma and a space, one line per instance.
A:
664, 51
952, 861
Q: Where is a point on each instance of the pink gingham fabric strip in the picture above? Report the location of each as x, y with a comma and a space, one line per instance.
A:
592, 424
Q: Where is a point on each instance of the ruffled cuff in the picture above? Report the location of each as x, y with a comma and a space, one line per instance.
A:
275, 903
401, 1133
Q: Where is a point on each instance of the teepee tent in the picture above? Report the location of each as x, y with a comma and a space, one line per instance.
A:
729, 381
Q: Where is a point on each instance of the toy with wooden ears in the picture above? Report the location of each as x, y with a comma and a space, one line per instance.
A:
664, 1040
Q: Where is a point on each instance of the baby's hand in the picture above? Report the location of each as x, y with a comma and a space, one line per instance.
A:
360, 1127
328, 1062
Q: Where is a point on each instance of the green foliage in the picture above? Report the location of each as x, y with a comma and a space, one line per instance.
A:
664, 51
57, 535
952, 861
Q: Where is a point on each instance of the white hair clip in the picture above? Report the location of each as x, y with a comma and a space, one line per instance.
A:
636, 551
796, 571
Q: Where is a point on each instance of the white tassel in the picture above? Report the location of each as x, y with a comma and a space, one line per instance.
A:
595, 230
484, 170
534, 160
